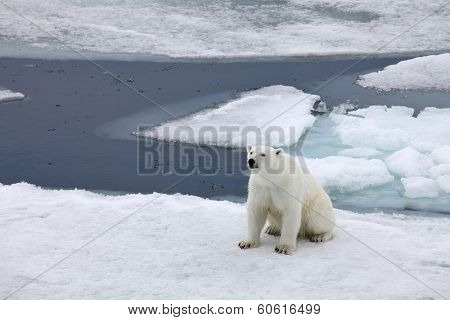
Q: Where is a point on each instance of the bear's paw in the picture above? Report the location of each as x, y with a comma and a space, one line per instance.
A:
247, 244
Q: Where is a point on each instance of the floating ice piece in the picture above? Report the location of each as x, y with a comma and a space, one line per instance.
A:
8, 95
420, 187
408, 162
38, 227
380, 111
429, 72
444, 182
442, 154
439, 170
359, 152
275, 115
349, 174
344, 107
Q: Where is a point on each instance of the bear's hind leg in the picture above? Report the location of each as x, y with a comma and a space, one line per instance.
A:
273, 227
273, 230
322, 237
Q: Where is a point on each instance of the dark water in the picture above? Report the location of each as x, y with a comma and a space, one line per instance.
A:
64, 135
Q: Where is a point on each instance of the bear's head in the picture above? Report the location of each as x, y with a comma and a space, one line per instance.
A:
265, 159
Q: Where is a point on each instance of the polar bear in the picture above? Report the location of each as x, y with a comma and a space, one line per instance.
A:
291, 201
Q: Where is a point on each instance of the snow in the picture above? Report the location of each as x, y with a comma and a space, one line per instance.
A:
349, 174
205, 28
408, 162
444, 183
420, 187
429, 72
8, 95
359, 152
185, 247
242, 121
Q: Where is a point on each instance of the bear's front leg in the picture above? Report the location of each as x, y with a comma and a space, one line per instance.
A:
290, 225
256, 218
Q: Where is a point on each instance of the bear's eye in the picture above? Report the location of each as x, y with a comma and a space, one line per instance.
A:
251, 152
263, 154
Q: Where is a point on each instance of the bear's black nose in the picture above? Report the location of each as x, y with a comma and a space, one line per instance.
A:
251, 163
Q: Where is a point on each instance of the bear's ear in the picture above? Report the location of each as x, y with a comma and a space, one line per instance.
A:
278, 151
249, 147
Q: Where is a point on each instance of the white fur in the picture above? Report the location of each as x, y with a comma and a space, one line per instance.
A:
291, 202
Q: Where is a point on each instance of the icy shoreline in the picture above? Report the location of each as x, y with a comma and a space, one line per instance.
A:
25, 51
142, 259
226, 29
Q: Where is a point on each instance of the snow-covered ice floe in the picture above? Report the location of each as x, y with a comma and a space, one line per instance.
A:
8, 95
276, 115
213, 28
185, 247
429, 72
414, 149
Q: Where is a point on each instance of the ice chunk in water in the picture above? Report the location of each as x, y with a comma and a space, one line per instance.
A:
444, 183
439, 170
8, 95
349, 174
420, 187
442, 154
408, 162
359, 152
